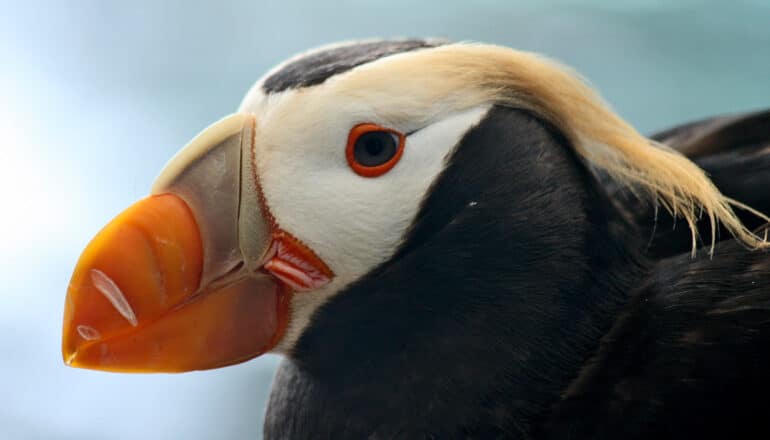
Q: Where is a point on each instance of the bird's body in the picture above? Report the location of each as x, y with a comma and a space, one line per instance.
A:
496, 260
617, 332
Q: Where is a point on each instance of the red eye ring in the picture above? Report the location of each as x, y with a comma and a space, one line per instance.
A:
372, 170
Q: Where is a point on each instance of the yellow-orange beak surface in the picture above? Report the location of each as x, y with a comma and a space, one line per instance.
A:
135, 303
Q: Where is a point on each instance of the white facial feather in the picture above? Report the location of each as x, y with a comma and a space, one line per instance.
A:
353, 223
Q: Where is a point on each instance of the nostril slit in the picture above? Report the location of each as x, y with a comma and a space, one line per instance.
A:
114, 295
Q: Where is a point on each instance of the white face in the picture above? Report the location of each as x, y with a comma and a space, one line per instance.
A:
353, 223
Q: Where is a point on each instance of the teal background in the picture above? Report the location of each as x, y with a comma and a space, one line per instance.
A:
95, 96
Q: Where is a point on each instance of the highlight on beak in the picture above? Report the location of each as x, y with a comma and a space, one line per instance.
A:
175, 282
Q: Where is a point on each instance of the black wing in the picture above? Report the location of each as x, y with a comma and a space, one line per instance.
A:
688, 358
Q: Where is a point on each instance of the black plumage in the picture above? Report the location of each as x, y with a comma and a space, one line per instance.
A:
533, 299
687, 358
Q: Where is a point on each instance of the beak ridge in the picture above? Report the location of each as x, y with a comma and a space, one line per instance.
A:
206, 174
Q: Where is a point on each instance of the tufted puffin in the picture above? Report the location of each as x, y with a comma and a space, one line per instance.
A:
449, 240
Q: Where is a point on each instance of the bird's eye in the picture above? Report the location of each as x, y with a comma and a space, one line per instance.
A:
373, 150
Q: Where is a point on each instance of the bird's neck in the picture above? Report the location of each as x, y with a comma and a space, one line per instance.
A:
494, 365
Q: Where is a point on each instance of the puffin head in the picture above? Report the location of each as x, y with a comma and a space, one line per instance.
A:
324, 184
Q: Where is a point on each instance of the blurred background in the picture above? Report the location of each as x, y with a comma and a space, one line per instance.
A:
95, 96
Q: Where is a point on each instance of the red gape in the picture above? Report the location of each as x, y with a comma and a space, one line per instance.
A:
295, 264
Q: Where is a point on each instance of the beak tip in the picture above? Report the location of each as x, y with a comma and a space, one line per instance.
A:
68, 353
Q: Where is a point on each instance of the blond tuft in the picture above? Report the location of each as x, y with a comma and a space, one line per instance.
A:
601, 137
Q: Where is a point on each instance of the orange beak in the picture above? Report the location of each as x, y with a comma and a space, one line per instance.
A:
185, 279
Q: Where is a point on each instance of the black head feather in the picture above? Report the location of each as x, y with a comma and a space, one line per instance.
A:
317, 67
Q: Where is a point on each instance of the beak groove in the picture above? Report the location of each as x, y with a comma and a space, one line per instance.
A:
114, 295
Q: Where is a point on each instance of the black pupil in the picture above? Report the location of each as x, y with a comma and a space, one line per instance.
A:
375, 148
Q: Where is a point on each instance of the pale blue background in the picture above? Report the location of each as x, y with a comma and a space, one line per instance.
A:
96, 96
